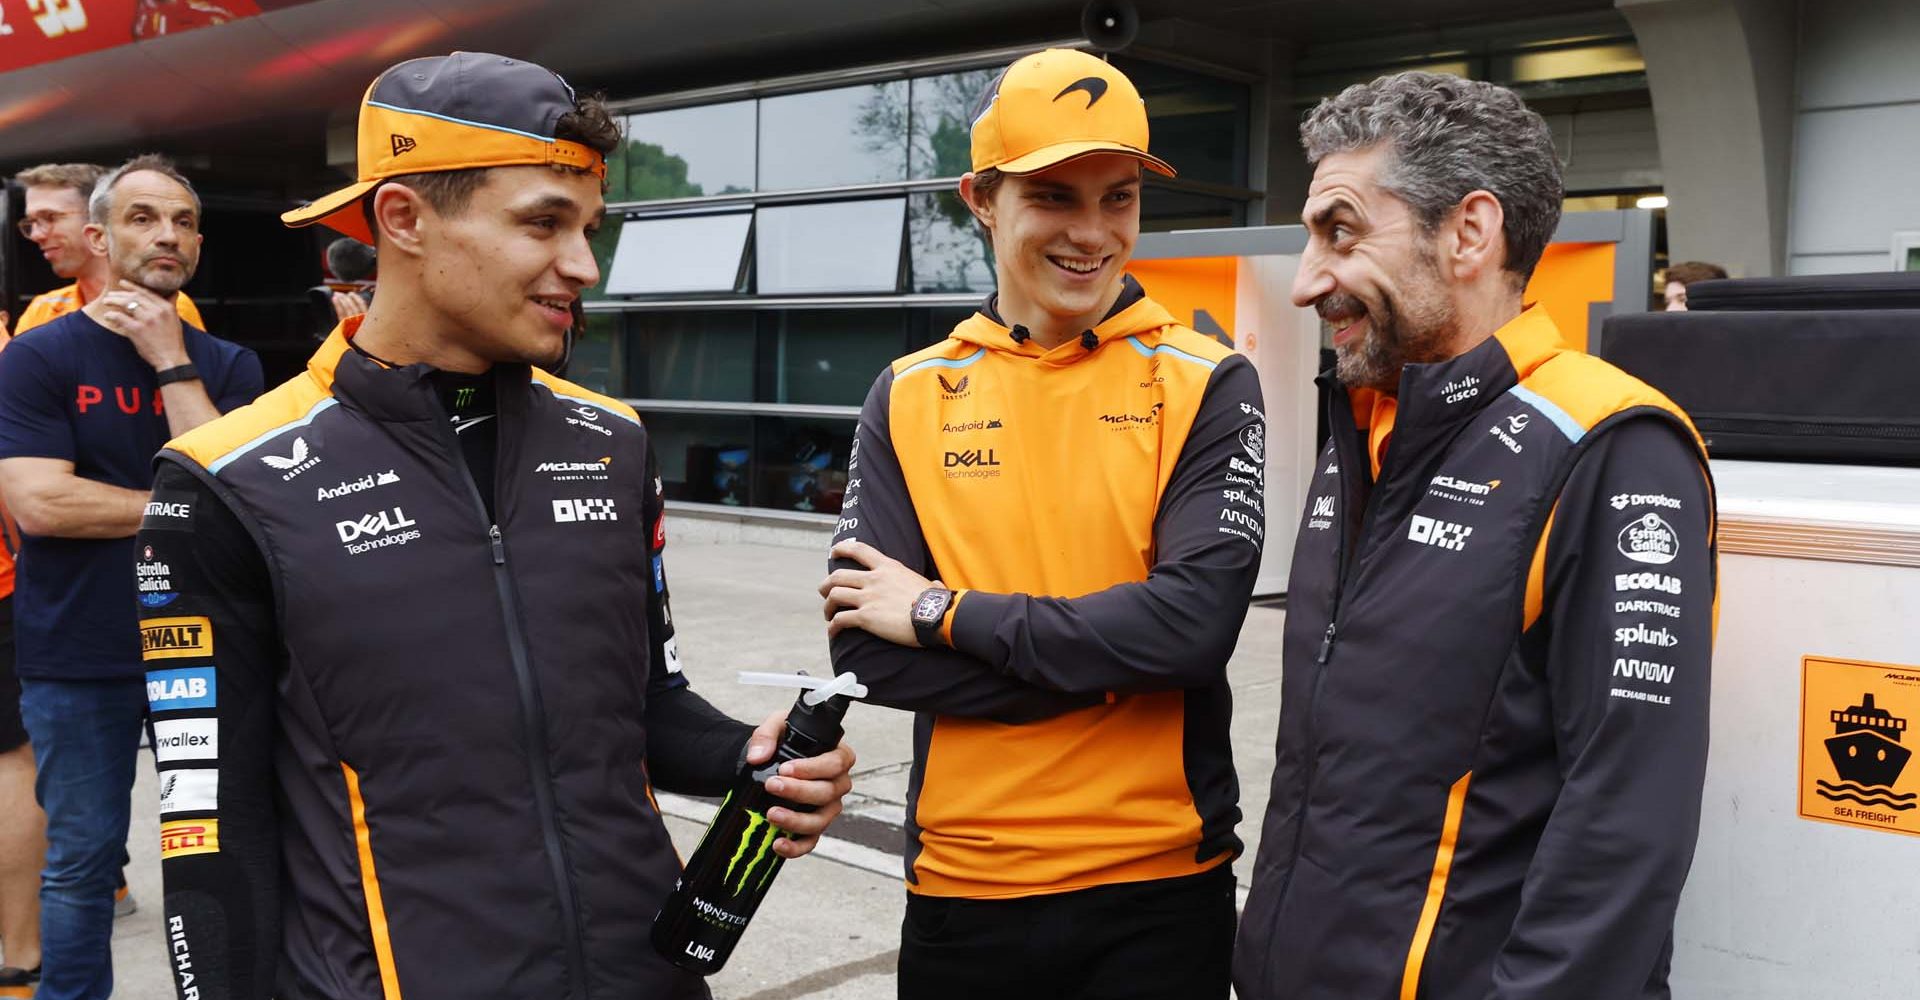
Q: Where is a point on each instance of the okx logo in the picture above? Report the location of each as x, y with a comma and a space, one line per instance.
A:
756, 846
577, 509
1435, 532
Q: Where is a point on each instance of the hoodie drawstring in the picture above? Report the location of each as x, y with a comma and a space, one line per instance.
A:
1088, 340
1021, 335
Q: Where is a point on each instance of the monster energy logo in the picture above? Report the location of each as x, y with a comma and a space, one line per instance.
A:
462, 397
758, 839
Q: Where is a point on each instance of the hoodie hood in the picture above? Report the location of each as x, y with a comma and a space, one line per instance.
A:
1132, 314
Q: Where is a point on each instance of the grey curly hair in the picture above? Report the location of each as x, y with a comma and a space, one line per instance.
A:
1450, 137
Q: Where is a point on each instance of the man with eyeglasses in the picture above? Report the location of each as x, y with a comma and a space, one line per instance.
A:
55, 221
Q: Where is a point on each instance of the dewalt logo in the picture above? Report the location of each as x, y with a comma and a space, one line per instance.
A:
176, 638
756, 845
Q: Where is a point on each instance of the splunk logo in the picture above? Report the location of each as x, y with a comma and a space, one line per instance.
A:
756, 846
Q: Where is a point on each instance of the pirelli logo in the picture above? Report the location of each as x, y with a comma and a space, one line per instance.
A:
176, 638
181, 837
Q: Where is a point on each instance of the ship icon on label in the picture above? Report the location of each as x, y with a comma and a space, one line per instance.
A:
1867, 755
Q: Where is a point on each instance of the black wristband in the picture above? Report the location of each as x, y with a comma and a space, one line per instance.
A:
178, 373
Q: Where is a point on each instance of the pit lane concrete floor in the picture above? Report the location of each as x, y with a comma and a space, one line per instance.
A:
831, 926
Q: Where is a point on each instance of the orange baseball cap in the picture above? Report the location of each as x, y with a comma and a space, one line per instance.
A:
452, 112
1057, 105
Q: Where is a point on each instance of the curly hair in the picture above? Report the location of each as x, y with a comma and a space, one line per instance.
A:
1450, 137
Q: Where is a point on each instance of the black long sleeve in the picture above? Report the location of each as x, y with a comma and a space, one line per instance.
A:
1177, 628
692, 747
1629, 619
204, 586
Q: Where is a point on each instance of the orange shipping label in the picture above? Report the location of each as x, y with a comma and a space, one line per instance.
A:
181, 837
1855, 747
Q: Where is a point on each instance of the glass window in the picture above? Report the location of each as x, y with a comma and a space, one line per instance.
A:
803, 463
1197, 123
1163, 210
596, 356
691, 355
838, 246
853, 135
831, 356
684, 153
682, 253
948, 251
941, 143
704, 457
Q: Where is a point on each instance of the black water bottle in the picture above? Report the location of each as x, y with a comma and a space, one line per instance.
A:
735, 863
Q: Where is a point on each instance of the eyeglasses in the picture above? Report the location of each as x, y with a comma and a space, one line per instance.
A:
33, 222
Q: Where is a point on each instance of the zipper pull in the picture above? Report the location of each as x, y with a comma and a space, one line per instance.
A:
500, 549
1326, 645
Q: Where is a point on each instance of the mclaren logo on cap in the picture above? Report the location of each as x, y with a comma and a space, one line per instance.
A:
402, 143
1095, 88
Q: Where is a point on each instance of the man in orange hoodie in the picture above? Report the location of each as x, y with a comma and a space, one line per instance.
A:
1071, 812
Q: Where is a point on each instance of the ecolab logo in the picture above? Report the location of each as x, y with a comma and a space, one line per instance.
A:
1646, 581
1640, 635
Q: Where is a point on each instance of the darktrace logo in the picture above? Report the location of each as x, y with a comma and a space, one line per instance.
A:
1128, 421
953, 390
972, 463
402, 143
1094, 87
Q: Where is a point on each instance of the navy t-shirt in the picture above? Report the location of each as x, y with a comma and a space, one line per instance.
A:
75, 390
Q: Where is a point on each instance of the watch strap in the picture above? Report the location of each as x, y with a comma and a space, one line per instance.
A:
178, 373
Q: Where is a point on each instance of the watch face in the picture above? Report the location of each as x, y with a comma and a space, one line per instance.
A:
930, 606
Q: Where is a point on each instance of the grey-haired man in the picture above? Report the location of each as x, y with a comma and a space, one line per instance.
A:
1500, 615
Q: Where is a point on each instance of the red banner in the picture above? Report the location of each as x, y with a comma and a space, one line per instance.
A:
38, 31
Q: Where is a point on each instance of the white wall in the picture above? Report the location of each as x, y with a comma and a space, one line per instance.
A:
1856, 157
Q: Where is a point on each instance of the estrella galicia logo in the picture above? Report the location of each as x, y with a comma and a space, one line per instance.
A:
1094, 87
402, 143
953, 390
1649, 539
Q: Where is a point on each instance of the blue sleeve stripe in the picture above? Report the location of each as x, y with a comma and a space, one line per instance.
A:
224, 460
1552, 411
1148, 352
946, 362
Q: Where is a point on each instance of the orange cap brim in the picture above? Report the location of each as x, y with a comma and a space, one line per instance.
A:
339, 211
1061, 152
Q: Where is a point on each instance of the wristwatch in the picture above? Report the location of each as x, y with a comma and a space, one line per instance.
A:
929, 610
178, 373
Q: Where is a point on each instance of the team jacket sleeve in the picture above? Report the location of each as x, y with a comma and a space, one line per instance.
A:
878, 510
1177, 628
692, 747
1627, 643
212, 654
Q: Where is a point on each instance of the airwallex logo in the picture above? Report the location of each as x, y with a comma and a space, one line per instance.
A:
377, 530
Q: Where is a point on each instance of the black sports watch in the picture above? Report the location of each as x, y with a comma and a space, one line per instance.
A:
178, 373
929, 610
